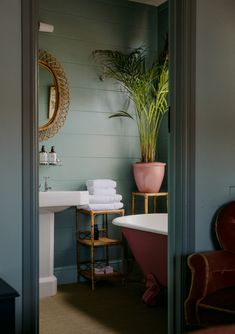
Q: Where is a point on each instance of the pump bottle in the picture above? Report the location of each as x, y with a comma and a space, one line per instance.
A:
52, 156
43, 158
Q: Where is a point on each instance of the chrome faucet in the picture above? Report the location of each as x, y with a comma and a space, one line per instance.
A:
46, 187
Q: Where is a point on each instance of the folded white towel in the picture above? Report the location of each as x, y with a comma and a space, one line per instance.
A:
108, 270
99, 271
101, 199
101, 183
107, 206
101, 191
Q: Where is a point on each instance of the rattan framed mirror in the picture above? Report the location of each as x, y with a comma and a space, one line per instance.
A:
53, 95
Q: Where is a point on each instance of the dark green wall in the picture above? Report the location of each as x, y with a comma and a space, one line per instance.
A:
90, 145
215, 114
162, 25
162, 147
11, 150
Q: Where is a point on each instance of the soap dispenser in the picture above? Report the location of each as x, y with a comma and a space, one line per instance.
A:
52, 156
96, 232
43, 159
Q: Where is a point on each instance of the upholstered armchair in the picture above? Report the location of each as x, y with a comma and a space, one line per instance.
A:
228, 329
211, 298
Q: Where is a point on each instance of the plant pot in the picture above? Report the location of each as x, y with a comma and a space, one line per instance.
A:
149, 176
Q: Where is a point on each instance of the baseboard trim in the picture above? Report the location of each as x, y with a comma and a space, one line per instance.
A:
66, 274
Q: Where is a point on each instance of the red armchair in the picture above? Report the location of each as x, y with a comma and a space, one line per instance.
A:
211, 299
217, 330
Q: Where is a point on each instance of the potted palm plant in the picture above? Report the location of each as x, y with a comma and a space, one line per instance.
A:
147, 87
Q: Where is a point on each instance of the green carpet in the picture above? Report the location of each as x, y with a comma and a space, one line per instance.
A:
111, 308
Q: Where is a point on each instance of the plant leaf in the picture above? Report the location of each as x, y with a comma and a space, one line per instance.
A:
121, 113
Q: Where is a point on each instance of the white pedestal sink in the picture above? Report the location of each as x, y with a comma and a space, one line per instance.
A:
49, 203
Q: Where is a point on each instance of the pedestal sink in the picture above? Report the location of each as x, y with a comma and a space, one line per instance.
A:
49, 203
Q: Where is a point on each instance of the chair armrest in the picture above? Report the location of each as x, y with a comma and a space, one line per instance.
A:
210, 271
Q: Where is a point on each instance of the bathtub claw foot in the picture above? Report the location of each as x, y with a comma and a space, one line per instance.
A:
152, 291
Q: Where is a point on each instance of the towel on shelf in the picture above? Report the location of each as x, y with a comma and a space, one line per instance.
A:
102, 195
101, 191
104, 270
108, 270
101, 183
99, 271
104, 206
103, 199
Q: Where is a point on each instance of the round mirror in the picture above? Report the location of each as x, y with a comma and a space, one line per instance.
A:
53, 95
47, 95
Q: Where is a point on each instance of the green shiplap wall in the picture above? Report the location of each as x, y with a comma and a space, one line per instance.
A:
162, 25
90, 145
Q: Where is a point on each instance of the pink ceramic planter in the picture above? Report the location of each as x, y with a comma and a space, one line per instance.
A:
149, 176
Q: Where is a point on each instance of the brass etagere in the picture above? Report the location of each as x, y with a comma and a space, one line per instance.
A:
86, 238
146, 197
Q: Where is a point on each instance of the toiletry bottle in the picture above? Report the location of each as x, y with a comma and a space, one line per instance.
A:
43, 159
96, 232
52, 156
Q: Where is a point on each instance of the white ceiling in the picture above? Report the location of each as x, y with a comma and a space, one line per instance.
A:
150, 2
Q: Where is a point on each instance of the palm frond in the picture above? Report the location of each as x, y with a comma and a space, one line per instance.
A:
146, 87
121, 113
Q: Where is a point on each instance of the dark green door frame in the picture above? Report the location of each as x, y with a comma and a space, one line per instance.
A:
30, 168
181, 239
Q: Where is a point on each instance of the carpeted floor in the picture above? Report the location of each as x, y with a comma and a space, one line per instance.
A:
111, 309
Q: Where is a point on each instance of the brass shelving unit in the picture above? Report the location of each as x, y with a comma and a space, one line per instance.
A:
85, 238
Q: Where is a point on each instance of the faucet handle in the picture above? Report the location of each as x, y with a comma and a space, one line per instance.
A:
46, 187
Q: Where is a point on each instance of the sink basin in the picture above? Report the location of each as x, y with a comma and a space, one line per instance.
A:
55, 201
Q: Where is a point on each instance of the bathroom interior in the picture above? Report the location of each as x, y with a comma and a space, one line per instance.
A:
209, 145
90, 145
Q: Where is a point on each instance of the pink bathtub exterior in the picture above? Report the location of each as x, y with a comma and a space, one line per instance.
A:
147, 237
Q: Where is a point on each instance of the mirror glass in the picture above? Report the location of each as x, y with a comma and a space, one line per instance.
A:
53, 95
47, 95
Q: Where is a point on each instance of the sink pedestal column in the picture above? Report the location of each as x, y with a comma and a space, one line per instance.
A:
47, 280
49, 203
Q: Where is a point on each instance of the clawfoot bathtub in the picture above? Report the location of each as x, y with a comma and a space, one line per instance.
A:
146, 235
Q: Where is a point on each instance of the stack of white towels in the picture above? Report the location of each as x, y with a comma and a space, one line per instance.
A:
103, 195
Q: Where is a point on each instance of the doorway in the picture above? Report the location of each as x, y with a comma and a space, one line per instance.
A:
90, 145
30, 314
